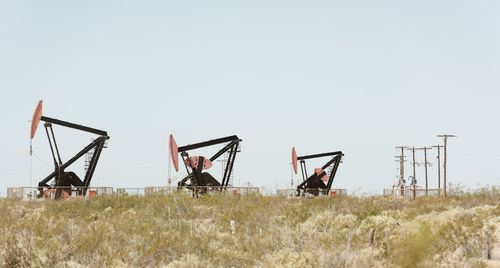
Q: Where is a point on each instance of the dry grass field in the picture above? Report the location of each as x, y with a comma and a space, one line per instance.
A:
178, 230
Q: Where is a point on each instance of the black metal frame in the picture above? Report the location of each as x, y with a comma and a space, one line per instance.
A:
60, 176
195, 174
314, 184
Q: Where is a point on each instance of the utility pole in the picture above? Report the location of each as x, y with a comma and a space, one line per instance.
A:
401, 166
401, 161
445, 138
413, 151
425, 165
439, 167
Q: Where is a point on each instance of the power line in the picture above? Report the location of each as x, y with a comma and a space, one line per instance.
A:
41, 161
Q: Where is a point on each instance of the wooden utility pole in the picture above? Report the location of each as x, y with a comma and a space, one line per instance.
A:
402, 166
413, 151
401, 161
445, 138
439, 167
425, 165
414, 174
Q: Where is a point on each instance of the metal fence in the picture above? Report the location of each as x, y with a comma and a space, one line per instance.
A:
235, 191
411, 192
307, 192
51, 192
130, 191
159, 190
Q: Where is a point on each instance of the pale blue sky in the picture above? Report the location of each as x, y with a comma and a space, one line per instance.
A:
357, 76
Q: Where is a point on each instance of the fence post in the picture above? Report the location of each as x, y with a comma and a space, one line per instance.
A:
371, 236
488, 252
349, 240
387, 245
299, 240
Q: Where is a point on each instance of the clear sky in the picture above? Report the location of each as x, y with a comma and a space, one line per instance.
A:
357, 76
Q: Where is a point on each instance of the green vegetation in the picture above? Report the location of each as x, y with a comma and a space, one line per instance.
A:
178, 230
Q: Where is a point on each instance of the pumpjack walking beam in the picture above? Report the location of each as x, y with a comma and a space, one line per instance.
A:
195, 173
74, 126
313, 183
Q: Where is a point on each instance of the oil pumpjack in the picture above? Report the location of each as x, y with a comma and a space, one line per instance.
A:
64, 180
315, 184
197, 180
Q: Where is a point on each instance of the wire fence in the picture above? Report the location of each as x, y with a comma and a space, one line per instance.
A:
228, 190
56, 192
310, 192
130, 191
64, 192
28, 193
411, 192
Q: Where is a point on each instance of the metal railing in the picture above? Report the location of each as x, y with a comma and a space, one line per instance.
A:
51, 192
411, 192
159, 190
64, 192
229, 190
130, 191
310, 192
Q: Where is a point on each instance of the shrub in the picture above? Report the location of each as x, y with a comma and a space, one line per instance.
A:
177, 230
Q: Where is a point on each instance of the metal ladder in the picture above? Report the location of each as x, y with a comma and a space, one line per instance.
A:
224, 164
88, 156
